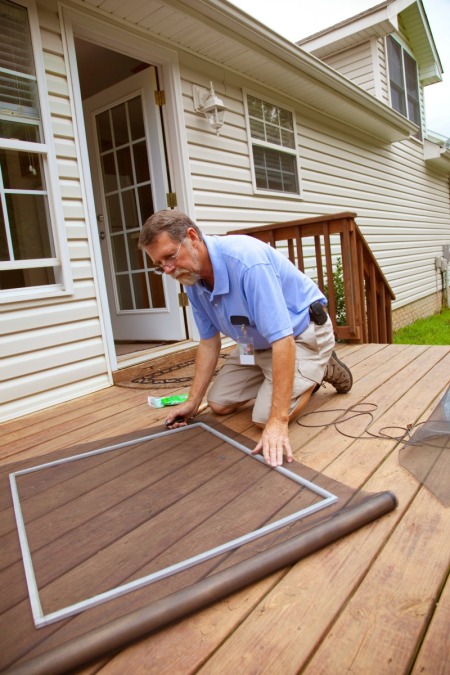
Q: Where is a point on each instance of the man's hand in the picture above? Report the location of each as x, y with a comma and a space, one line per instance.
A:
205, 364
180, 414
273, 443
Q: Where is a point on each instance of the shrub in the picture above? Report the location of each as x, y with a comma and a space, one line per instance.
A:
338, 283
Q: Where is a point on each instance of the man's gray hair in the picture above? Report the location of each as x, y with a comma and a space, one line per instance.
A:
176, 225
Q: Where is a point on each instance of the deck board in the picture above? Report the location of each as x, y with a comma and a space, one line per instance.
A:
398, 593
376, 601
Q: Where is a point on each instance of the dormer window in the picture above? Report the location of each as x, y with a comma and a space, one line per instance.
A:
403, 82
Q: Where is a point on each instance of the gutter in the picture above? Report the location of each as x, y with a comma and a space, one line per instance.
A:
262, 39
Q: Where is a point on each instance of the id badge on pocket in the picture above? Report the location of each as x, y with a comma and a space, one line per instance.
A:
245, 343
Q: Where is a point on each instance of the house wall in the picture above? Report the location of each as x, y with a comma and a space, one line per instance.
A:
404, 316
381, 65
53, 350
402, 205
356, 64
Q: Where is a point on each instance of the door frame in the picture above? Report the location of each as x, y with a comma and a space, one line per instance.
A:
153, 322
86, 25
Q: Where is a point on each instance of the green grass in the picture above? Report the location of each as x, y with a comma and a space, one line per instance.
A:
434, 330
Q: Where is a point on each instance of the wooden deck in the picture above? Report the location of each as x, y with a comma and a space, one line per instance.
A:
376, 601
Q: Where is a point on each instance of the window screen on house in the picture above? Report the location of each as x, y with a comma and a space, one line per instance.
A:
273, 146
27, 250
403, 82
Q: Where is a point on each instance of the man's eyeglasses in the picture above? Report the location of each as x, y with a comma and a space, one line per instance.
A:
168, 262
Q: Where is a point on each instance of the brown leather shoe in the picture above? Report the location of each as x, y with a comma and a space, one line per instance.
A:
338, 374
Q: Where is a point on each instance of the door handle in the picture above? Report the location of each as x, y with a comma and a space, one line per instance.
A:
102, 235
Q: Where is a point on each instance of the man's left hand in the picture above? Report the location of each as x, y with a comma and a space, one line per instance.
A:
273, 443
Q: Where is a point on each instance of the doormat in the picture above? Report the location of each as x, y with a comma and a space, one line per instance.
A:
161, 375
115, 537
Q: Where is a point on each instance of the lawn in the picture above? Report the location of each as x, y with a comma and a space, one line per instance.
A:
434, 330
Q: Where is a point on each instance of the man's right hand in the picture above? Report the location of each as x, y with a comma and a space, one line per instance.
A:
205, 364
180, 414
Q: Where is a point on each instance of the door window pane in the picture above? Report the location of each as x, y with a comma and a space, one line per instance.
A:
136, 118
145, 203
130, 214
125, 168
140, 291
119, 253
104, 131
120, 125
114, 214
141, 162
134, 252
109, 172
157, 291
124, 292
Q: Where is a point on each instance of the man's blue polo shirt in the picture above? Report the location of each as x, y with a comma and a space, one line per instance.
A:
252, 280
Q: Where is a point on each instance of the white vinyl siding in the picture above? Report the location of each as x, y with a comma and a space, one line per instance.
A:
382, 69
53, 349
356, 64
402, 207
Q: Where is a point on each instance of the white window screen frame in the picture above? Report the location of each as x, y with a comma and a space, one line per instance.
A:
282, 150
42, 619
60, 262
405, 92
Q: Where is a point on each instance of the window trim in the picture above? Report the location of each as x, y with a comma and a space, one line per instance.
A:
46, 149
271, 146
405, 50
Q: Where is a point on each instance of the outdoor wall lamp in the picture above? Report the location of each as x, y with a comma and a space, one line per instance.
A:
211, 106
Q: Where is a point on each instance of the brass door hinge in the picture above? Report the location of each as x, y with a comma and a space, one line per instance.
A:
183, 300
171, 200
160, 97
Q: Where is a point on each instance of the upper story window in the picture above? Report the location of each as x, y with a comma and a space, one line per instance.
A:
28, 248
403, 82
271, 132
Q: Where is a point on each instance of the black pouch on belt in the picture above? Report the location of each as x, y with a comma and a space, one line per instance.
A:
318, 313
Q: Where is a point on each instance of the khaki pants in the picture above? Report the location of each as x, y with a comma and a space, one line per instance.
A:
236, 383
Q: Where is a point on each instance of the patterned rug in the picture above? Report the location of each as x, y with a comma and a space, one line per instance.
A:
169, 376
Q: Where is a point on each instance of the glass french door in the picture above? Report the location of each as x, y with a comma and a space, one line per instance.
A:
129, 176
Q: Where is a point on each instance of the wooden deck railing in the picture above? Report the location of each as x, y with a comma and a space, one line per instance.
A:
367, 294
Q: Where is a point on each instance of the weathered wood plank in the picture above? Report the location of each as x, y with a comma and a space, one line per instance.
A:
295, 616
388, 614
264, 634
433, 657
